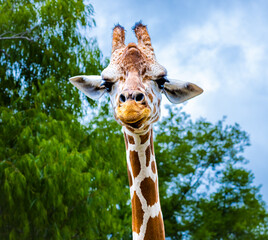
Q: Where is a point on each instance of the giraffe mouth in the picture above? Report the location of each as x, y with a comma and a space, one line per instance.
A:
137, 124
133, 114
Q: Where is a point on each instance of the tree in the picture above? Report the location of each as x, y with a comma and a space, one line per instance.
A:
40, 43
206, 192
55, 180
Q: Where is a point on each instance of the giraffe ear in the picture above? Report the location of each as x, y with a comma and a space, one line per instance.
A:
89, 85
179, 91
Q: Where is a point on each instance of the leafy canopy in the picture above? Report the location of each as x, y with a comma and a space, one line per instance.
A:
60, 179
206, 193
55, 182
41, 43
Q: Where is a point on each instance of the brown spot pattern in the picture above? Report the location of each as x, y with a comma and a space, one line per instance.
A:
144, 137
152, 142
153, 167
131, 139
155, 228
146, 127
129, 177
148, 155
149, 191
150, 97
153, 91
132, 59
137, 213
135, 163
129, 129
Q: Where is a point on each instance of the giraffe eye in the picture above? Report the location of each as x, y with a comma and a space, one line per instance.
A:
108, 85
161, 81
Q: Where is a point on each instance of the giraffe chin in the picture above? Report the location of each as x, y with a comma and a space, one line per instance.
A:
137, 124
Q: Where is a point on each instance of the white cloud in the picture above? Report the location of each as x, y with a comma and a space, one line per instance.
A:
221, 55
227, 56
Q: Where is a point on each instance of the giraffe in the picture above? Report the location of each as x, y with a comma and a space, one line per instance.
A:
135, 82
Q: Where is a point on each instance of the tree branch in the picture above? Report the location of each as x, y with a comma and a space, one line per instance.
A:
16, 37
20, 35
3, 34
192, 186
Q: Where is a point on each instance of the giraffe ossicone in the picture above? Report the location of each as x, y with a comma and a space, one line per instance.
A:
135, 82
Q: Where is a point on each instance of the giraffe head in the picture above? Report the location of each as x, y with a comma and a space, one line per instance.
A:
135, 81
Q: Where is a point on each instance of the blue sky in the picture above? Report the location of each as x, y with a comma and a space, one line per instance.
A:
221, 46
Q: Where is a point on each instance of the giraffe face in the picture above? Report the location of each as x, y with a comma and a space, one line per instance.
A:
134, 79
135, 82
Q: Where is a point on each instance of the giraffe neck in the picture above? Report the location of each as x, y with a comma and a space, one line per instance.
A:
147, 220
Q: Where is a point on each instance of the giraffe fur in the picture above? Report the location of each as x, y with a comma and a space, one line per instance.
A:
151, 209
135, 82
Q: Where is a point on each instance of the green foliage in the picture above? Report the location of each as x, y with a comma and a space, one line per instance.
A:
42, 41
60, 179
205, 192
56, 180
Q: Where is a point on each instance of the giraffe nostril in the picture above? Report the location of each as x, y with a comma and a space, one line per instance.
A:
139, 97
122, 98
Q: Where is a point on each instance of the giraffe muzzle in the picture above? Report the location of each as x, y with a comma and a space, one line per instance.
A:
132, 111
